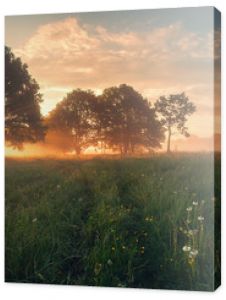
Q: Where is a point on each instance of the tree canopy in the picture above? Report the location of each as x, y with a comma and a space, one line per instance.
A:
74, 117
120, 119
23, 120
128, 121
174, 110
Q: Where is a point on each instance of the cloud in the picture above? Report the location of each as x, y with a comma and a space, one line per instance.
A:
67, 54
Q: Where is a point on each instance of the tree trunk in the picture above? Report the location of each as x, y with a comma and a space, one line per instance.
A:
132, 148
168, 141
77, 150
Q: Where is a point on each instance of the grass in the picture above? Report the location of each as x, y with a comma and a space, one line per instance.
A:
111, 222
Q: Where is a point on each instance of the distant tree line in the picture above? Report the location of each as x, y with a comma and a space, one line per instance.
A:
120, 119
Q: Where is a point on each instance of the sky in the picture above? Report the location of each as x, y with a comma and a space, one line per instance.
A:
158, 52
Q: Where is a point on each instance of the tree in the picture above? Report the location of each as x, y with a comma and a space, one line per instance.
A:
74, 118
127, 120
23, 120
174, 111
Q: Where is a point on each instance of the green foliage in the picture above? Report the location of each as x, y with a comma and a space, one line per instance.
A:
120, 119
174, 111
109, 222
23, 121
74, 118
128, 121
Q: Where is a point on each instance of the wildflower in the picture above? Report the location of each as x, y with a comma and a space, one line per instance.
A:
186, 248
175, 192
109, 262
145, 234
193, 253
142, 250
189, 208
190, 232
58, 186
149, 219
113, 248
195, 203
200, 218
181, 228
34, 220
142, 175
123, 247
80, 199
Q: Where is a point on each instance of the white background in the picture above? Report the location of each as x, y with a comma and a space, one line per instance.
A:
31, 291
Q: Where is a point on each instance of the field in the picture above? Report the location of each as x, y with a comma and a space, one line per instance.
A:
136, 222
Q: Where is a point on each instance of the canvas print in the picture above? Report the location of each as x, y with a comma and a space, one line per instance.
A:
112, 149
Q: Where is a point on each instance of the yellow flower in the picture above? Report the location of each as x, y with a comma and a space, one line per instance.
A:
142, 251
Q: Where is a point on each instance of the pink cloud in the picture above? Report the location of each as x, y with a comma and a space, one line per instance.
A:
67, 54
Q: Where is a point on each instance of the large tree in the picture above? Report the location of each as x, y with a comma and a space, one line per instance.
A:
74, 117
174, 111
23, 120
127, 120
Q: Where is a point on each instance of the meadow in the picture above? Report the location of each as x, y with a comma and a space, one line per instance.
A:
133, 222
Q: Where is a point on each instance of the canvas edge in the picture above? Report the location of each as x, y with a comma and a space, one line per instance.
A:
217, 147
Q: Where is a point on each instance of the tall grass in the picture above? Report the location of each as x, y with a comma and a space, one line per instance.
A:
111, 222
